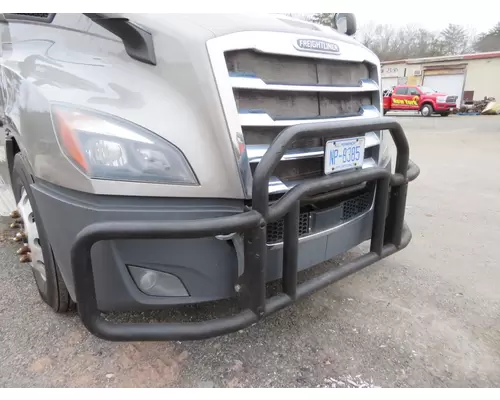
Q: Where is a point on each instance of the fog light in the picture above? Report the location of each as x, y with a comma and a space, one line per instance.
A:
156, 283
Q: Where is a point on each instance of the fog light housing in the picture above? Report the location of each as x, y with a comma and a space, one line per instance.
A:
157, 283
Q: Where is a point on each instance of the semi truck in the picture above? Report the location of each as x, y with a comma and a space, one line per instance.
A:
164, 160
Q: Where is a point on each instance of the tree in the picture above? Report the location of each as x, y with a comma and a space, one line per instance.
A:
394, 43
302, 16
455, 40
489, 41
391, 42
324, 19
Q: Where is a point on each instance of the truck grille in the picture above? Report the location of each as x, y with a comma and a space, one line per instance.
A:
287, 70
267, 84
272, 68
299, 105
274, 91
451, 99
275, 230
351, 208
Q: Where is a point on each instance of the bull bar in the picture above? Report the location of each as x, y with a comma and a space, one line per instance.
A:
389, 235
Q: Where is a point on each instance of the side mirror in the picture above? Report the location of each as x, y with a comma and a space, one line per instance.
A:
345, 23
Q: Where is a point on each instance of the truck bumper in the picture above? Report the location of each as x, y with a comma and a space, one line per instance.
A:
193, 270
386, 228
445, 107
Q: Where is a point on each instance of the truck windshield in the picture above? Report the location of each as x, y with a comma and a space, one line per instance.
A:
425, 89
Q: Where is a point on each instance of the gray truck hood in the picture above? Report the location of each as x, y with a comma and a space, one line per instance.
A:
212, 25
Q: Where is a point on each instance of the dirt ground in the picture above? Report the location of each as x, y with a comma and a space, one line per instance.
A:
428, 316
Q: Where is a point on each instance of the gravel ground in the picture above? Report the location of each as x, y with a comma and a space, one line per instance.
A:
428, 316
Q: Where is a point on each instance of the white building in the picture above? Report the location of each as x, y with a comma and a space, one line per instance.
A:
469, 76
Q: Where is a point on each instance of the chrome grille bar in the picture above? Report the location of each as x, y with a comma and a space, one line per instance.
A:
256, 151
263, 119
255, 83
277, 186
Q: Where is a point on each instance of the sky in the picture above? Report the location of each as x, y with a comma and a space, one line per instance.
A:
476, 18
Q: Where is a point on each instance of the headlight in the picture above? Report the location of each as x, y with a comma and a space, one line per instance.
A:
441, 99
104, 147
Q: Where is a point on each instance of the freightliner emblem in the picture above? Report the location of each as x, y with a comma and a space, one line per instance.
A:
317, 45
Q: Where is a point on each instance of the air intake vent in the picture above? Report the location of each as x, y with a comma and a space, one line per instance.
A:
274, 68
36, 15
40, 17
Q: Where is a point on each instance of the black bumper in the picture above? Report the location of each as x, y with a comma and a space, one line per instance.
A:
389, 235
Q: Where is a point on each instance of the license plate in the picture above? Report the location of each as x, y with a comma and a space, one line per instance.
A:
343, 154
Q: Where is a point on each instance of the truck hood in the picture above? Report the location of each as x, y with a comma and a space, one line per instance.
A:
435, 94
213, 25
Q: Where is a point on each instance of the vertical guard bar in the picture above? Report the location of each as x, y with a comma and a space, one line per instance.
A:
291, 250
253, 279
397, 207
379, 214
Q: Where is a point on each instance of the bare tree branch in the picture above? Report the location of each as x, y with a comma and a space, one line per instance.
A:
393, 42
489, 41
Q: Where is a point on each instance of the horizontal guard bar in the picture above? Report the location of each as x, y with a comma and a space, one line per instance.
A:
338, 273
411, 175
206, 329
323, 184
271, 159
196, 228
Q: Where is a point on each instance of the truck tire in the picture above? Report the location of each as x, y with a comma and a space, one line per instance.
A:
445, 114
48, 279
427, 110
385, 112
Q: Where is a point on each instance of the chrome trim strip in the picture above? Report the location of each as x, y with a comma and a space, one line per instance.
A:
263, 119
369, 163
365, 85
371, 139
283, 43
255, 152
277, 186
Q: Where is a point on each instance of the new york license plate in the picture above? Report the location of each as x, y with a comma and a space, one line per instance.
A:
343, 154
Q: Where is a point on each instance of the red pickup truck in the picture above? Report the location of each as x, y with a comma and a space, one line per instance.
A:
419, 98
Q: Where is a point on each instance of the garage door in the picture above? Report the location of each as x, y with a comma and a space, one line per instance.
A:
450, 84
388, 83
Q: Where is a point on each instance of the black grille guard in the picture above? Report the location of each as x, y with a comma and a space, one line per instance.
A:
389, 235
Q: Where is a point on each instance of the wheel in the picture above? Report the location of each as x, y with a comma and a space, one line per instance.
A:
385, 112
445, 114
427, 110
36, 250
